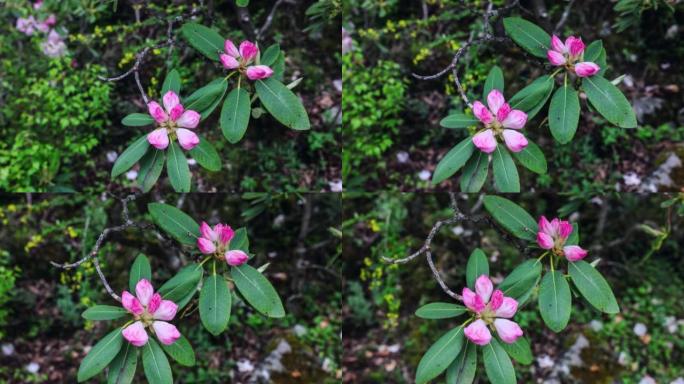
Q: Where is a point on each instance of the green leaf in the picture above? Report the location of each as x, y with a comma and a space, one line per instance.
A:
495, 80
242, 3
207, 98
214, 304
155, 363
440, 310
476, 267
497, 364
564, 112
235, 115
529, 36
534, 96
609, 101
458, 120
279, 67
181, 351
257, 291
182, 285
573, 239
122, 369
593, 287
475, 172
555, 301
178, 169
100, 355
206, 155
532, 158
453, 160
151, 166
240, 240
130, 156
206, 40
506, 177
104, 312
284, 105
175, 222
140, 269
523, 278
137, 120
270, 55
172, 82
596, 54
440, 355
462, 370
520, 351
512, 217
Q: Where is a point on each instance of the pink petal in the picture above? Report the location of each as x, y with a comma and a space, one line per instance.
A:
131, 304
508, 308
472, 300
495, 100
555, 227
555, 58
54, 37
176, 112
155, 301
166, 311
557, 44
207, 232
144, 291
248, 50
231, 49
51, 20
157, 112
189, 119
497, 300
515, 141
586, 69
206, 246
158, 138
135, 334
485, 141
545, 241
565, 229
516, 119
236, 258
166, 333
229, 62
258, 72
545, 226
187, 138
225, 232
576, 46
484, 287
478, 333
482, 113
170, 100
503, 112
43, 27
574, 252
508, 331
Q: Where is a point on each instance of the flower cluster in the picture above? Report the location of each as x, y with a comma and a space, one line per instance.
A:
217, 240
149, 311
172, 121
242, 58
492, 310
568, 54
500, 121
553, 234
54, 45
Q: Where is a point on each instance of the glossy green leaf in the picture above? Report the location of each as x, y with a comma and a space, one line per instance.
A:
172, 82
155, 363
178, 169
206, 40
440, 310
207, 98
175, 222
257, 291
498, 365
564, 112
242, 3
270, 55
454, 160
609, 101
528, 35
214, 304
520, 351
532, 158
182, 285
122, 369
555, 301
523, 278
593, 287
130, 156
282, 104
475, 172
151, 166
181, 351
495, 80
206, 155
440, 355
533, 96
512, 217
596, 54
506, 178
104, 312
137, 120
140, 269
574, 237
462, 370
458, 120
240, 240
235, 115
100, 355
477, 266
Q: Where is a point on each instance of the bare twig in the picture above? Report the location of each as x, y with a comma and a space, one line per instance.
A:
269, 20
564, 17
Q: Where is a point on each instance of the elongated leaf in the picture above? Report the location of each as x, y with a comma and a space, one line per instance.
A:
214, 304
512, 217
240, 240
242, 3
181, 351
442, 353
555, 301
495, 80
520, 351
284, 105
177, 168
104, 312
534, 111
609, 101
530, 97
184, 283
574, 237
458, 120
175, 222
440, 310
497, 364
137, 120
564, 113
270, 55
529, 36
476, 267
206, 40
172, 82
140, 269
453, 160
257, 290
130, 156
100, 355
596, 54
462, 370
155, 363
207, 98
593, 287
151, 166
521, 279
189, 291
206, 155
122, 369
235, 115
532, 158
475, 172
506, 178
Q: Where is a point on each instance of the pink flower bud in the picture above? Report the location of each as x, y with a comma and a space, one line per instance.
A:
229, 62
258, 72
166, 333
248, 51
485, 141
478, 333
555, 58
187, 138
586, 69
509, 331
574, 252
231, 49
236, 258
135, 334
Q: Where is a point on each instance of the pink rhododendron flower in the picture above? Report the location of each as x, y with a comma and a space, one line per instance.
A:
53, 46
239, 59
172, 120
216, 241
553, 234
26, 25
150, 311
492, 310
497, 118
570, 54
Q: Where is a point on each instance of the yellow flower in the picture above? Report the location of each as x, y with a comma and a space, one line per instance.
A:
374, 226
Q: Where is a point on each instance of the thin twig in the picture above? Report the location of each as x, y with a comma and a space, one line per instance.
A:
564, 18
269, 20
